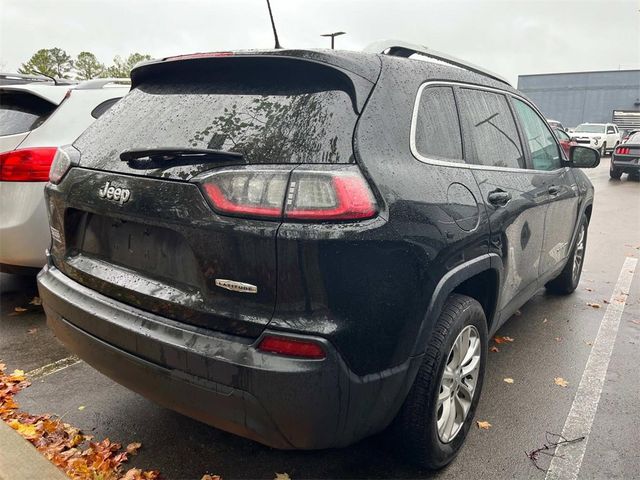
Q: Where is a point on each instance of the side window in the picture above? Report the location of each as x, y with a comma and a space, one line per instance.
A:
545, 154
610, 130
491, 129
437, 130
561, 135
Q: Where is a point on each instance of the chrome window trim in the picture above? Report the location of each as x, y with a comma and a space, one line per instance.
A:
463, 164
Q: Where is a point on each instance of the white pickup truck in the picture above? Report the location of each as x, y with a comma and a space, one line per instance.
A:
603, 137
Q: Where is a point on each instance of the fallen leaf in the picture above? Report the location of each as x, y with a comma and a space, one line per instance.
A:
282, 476
20, 309
494, 349
561, 382
589, 289
483, 425
558, 339
508, 380
35, 301
132, 448
502, 339
589, 343
211, 477
593, 305
607, 302
62, 444
544, 321
31, 331
81, 407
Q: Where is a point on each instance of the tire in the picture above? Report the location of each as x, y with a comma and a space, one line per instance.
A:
614, 173
603, 149
415, 430
569, 277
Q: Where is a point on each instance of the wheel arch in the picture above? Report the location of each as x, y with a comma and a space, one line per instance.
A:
478, 278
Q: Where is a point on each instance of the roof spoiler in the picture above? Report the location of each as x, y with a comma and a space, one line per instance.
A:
398, 48
357, 83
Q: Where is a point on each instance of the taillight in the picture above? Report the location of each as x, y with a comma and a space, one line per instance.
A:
27, 164
250, 192
291, 347
309, 193
66, 157
622, 150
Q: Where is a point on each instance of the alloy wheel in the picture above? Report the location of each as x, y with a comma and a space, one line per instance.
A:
458, 383
578, 255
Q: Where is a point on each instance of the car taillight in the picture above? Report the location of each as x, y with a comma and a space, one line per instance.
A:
27, 164
291, 347
66, 157
622, 150
309, 193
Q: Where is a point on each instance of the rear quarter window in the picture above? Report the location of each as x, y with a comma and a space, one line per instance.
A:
21, 112
437, 128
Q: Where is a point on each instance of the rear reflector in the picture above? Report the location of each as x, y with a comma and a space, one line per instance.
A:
308, 193
291, 347
622, 150
27, 164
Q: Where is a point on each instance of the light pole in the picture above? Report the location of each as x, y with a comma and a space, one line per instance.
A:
333, 36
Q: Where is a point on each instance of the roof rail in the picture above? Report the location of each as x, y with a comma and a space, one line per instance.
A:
98, 83
398, 48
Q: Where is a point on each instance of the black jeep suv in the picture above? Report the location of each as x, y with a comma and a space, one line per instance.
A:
307, 247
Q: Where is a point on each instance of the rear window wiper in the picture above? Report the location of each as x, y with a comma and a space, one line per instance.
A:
177, 155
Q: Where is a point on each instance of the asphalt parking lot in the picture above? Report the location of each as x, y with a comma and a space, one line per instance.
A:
552, 337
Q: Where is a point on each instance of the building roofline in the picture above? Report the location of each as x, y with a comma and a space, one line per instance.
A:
573, 73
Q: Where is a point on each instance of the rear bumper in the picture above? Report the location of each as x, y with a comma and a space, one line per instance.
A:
24, 227
625, 165
220, 379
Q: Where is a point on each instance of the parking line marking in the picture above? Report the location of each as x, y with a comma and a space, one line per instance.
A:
585, 403
52, 367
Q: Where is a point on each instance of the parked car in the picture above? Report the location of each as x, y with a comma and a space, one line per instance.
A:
626, 158
307, 247
555, 124
36, 118
566, 142
601, 136
627, 133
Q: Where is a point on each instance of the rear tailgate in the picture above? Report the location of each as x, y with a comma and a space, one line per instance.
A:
160, 246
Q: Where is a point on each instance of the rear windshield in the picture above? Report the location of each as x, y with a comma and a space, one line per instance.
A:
21, 112
274, 121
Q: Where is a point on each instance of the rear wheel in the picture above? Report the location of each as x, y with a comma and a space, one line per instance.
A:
438, 412
614, 173
569, 278
603, 150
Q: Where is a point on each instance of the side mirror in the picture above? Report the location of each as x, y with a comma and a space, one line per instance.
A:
584, 157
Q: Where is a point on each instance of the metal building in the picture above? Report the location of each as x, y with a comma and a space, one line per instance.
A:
578, 97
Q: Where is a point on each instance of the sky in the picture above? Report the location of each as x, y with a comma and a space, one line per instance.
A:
509, 37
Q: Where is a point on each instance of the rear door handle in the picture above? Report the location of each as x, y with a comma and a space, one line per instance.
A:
499, 197
553, 190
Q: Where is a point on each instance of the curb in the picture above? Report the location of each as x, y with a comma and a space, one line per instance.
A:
19, 460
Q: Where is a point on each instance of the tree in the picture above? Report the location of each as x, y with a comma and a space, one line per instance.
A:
122, 68
54, 62
87, 66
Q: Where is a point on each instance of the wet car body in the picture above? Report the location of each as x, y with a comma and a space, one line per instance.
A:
137, 288
626, 158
